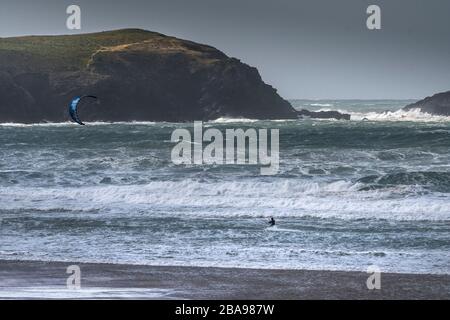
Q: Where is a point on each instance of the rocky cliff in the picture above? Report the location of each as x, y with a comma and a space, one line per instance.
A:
323, 114
137, 75
439, 104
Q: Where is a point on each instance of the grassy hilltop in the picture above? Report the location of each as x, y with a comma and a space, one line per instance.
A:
70, 52
138, 75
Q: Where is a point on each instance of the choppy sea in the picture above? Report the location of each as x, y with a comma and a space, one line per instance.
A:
348, 194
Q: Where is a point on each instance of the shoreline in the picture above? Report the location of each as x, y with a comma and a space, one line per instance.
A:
47, 280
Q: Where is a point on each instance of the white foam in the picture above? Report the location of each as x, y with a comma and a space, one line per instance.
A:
46, 124
69, 124
276, 229
321, 104
414, 115
232, 120
247, 198
47, 292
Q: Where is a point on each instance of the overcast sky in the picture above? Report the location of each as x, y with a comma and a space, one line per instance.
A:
304, 48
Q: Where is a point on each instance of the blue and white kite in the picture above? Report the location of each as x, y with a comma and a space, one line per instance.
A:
73, 108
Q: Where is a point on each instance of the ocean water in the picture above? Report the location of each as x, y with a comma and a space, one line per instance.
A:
349, 194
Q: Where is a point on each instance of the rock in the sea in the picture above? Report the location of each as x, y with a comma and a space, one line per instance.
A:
439, 104
323, 114
137, 74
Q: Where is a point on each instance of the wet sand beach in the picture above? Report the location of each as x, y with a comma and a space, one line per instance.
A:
47, 280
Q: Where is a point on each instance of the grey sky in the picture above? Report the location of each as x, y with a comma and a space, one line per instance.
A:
304, 48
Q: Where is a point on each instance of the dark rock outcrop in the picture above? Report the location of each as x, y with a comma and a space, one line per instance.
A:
137, 74
439, 104
323, 114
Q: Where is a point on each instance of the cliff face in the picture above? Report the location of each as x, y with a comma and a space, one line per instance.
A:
138, 75
439, 104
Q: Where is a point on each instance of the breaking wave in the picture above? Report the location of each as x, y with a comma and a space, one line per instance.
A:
339, 199
414, 115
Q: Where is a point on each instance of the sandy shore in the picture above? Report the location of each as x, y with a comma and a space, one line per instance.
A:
34, 280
